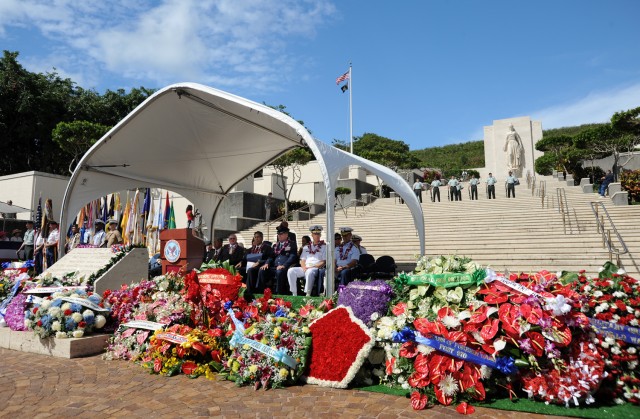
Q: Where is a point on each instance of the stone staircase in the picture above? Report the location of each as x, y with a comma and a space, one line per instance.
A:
520, 234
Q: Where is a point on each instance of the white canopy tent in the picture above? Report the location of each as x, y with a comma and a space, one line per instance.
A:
199, 142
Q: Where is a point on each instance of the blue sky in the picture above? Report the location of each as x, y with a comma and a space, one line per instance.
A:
429, 73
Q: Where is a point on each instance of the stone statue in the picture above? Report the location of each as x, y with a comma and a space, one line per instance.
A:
515, 150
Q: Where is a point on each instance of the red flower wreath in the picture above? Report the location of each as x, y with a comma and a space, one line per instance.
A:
340, 343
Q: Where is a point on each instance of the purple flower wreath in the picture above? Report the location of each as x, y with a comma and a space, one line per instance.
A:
366, 298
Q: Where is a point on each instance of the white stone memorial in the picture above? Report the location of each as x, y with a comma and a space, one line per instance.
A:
134, 267
509, 144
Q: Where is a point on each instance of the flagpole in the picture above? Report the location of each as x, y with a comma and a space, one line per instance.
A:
350, 109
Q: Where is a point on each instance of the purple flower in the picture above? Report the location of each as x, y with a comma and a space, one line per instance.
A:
366, 298
525, 345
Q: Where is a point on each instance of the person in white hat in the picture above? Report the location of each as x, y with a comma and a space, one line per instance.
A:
312, 259
99, 236
113, 236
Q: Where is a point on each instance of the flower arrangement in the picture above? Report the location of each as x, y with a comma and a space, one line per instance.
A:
128, 298
163, 307
533, 318
208, 290
341, 343
269, 342
70, 279
444, 264
183, 349
366, 298
67, 314
614, 297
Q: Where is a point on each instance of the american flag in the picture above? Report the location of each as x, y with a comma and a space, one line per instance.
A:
342, 78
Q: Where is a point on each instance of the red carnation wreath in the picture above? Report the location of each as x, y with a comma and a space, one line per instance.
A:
340, 343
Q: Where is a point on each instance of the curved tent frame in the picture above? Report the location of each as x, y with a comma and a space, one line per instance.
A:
200, 142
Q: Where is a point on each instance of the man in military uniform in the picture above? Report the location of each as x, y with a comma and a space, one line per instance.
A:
491, 186
312, 259
511, 185
113, 236
435, 187
473, 182
284, 255
346, 257
51, 245
453, 188
74, 239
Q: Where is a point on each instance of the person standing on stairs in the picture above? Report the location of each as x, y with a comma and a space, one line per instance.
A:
417, 189
491, 186
453, 188
511, 185
473, 183
435, 188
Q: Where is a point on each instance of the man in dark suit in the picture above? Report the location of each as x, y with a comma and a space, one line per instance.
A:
212, 253
254, 258
232, 251
284, 255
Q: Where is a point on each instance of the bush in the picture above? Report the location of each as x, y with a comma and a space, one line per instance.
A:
630, 180
293, 205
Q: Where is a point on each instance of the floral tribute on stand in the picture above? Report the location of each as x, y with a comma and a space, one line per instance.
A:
269, 343
532, 322
67, 314
142, 308
182, 349
341, 343
208, 290
13, 303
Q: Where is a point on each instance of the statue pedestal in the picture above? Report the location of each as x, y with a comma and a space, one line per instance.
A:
180, 250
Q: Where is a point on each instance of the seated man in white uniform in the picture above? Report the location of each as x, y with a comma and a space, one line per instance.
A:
312, 259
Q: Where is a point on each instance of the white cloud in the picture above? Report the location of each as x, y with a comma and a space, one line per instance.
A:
595, 107
226, 42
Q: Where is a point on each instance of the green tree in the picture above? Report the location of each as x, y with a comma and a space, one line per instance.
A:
292, 160
30, 107
394, 154
33, 104
610, 140
558, 148
75, 138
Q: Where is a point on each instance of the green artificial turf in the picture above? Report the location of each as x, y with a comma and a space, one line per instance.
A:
525, 405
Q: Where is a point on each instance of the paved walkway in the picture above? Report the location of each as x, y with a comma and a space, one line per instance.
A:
38, 386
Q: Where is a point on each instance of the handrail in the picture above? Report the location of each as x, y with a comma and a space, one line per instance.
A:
563, 208
606, 237
282, 218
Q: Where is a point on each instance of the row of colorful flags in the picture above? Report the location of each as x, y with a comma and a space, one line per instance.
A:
140, 222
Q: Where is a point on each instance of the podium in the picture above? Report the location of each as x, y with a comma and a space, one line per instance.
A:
180, 249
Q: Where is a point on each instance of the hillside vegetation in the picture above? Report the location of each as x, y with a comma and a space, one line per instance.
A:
452, 156
471, 155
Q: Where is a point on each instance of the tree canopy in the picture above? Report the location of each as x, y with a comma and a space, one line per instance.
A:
394, 154
566, 147
33, 104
